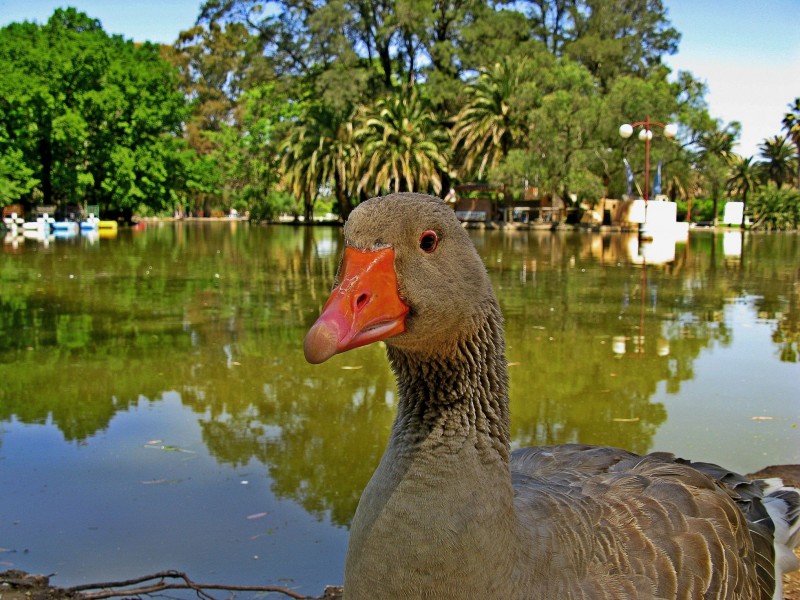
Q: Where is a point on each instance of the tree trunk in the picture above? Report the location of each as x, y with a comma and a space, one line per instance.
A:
345, 203
386, 63
342, 197
308, 209
446, 184
744, 211
715, 199
798, 167
46, 158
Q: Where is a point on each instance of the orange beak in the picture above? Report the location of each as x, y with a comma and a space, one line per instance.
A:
365, 307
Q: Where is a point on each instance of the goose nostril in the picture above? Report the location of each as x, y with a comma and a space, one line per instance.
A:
361, 301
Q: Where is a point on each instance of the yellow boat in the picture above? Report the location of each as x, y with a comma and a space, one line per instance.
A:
107, 229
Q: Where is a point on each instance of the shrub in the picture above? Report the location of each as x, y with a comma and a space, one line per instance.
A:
772, 208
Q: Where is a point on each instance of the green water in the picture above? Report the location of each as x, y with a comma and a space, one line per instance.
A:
156, 411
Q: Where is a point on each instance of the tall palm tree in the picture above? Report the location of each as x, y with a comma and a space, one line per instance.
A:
487, 128
403, 146
321, 153
715, 153
343, 158
777, 155
298, 166
743, 179
791, 123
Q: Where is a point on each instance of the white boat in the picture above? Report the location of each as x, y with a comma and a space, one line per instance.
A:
91, 223
66, 228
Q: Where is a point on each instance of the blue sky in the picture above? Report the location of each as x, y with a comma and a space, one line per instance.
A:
747, 52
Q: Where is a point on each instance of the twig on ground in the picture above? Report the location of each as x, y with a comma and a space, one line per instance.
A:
112, 589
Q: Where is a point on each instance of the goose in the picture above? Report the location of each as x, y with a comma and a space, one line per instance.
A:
451, 512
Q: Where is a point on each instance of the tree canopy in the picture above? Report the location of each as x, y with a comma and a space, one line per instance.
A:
287, 105
91, 117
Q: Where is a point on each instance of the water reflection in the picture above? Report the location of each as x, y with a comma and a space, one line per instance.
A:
596, 326
591, 338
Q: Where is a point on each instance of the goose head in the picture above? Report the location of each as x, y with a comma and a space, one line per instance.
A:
409, 275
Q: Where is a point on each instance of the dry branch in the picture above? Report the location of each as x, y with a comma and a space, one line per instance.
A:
113, 589
139, 586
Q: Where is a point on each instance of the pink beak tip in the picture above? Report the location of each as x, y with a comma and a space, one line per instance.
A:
320, 342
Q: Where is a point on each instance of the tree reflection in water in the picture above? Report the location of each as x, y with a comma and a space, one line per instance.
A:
217, 312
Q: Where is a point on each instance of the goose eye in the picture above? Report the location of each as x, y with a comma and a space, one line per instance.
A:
428, 241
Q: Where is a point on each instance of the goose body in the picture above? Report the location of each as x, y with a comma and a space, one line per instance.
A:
451, 512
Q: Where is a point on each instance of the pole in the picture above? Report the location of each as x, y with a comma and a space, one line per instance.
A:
647, 160
627, 130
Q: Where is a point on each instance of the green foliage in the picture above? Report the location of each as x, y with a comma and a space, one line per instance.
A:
16, 178
493, 122
778, 156
775, 208
265, 208
330, 102
91, 118
714, 158
791, 124
403, 147
702, 210
348, 57
244, 152
320, 154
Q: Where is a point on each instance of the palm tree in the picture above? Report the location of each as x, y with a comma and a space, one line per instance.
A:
321, 153
791, 123
403, 145
716, 151
487, 128
342, 162
298, 165
777, 154
743, 179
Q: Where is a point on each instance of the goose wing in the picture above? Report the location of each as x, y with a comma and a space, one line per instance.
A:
645, 526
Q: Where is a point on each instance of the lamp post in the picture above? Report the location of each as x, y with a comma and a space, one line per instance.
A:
645, 135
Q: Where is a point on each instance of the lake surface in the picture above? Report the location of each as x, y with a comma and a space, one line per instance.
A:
156, 411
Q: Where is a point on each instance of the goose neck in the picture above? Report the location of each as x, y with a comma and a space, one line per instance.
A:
455, 397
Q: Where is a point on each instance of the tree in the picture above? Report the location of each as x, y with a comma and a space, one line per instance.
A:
791, 123
632, 99
320, 153
744, 176
488, 126
716, 148
212, 63
564, 131
777, 155
774, 207
16, 178
352, 53
366, 47
247, 150
619, 38
556, 153
96, 118
609, 38
403, 145
339, 50
463, 37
